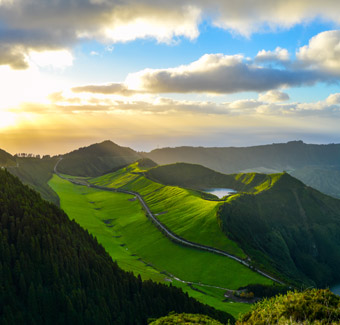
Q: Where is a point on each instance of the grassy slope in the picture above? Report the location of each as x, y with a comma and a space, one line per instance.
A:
289, 227
6, 159
183, 211
90, 206
36, 173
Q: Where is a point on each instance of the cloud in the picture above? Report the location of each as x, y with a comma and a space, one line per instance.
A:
322, 52
13, 56
39, 25
247, 17
107, 89
279, 55
333, 99
219, 74
57, 59
273, 96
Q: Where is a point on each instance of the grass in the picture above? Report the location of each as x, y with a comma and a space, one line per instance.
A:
138, 246
183, 211
36, 173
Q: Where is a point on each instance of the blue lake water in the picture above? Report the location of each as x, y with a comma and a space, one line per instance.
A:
220, 192
336, 289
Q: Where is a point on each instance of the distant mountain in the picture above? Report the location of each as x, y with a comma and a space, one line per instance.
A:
53, 272
282, 224
6, 159
292, 157
97, 159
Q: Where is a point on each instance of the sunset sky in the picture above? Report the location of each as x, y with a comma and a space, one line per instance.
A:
154, 73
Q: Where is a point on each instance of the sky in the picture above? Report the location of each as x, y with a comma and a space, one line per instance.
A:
153, 73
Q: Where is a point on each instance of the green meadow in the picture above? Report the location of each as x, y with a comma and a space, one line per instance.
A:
183, 211
121, 226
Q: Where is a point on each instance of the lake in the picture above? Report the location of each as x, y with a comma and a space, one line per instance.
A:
220, 192
336, 289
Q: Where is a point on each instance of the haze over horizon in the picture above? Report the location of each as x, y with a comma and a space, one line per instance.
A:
148, 74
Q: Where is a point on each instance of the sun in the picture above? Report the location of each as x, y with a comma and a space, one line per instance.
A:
7, 119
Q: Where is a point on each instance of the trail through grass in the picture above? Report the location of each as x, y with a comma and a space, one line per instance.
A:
183, 211
120, 225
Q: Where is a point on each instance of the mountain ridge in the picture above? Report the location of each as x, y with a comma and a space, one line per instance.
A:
97, 159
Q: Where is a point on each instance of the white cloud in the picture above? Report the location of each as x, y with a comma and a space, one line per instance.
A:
57, 59
107, 89
247, 17
279, 55
322, 52
219, 74
42, 25
273, 96
333, 99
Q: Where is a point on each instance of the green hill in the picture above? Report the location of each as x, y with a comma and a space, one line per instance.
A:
304, 161
199, 177
36, 173
287, 227
54, 272
283, 225
309, 307
6, 159
97, 159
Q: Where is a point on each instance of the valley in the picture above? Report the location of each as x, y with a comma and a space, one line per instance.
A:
161, 223
139, 246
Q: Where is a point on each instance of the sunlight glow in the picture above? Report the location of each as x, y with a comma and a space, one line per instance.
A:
56, 59
7, 119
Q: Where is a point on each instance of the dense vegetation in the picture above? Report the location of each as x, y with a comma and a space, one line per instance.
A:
52, 271
6, 159
36, 173
265, 291
289, 228
324, 178
97, 159
304, 160
308, 307
185, 319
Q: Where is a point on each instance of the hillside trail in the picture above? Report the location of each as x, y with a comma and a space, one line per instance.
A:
168, 233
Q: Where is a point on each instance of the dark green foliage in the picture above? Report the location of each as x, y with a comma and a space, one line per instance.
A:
288, 228
54, 272
97, 159
146, 163
36, 173
324, 178
265, 291
308, 307
185, 319
6, 159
